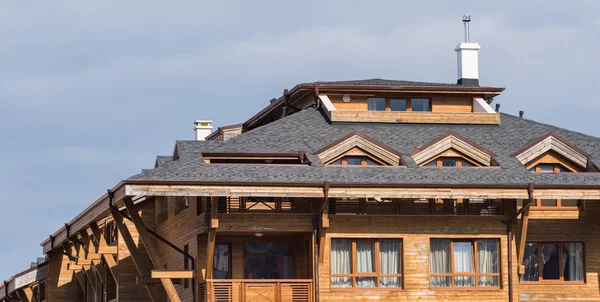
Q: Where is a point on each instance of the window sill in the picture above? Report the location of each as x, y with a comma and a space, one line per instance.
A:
486, 288
365, 289
557, 282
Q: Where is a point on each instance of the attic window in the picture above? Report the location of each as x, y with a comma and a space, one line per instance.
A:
357, 149
399, 104
256, 158
552, 154
453, 150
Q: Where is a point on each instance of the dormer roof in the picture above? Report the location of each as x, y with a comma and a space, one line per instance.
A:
456, 142
552, 142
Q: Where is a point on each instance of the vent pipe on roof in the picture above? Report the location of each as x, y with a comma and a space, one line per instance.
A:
203, 128
497, 107
521, 114
467, 58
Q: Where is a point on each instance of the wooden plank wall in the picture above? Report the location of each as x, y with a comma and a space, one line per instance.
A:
585, 229
439, 103
61, 284
181, 229
416, 233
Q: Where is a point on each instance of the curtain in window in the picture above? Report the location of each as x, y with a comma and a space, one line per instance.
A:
341, 262
530, 262
463, 263
550, 262
573, 261
487, 253
439, 262
389, 262
365, 262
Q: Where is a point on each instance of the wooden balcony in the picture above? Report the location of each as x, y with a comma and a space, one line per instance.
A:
242, 290
415, 117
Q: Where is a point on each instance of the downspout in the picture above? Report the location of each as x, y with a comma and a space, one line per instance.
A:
509, 223
52, 248
165, 241
68, 231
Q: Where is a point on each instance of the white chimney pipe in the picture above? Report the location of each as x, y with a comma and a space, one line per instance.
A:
467, 58
203, 129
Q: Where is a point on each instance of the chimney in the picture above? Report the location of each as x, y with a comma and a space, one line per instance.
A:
467, 57
203, 128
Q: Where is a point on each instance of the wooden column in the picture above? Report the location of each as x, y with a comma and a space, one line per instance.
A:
148, 244
523, 225
212, 236
135, 254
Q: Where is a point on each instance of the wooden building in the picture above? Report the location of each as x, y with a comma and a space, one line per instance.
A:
346, 191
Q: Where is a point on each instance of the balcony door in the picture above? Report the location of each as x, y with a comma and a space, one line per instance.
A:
268, 260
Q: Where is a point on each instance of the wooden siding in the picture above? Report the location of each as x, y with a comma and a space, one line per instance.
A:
444, 103
416, 233
61, 284
415, 117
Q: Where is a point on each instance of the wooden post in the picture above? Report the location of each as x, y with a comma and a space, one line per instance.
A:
212, 236
136, 256
108, 258
25, 294
148, 244
323, 226
523, 225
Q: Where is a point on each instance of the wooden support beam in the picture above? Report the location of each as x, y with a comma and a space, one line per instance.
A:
149, 245
74, 267
111, 250
523, 225
100, 271
111, 263
152, 281
25, 294
212, 236
136, 256
172, 274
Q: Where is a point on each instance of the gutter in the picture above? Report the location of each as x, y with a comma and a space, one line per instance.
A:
509, 222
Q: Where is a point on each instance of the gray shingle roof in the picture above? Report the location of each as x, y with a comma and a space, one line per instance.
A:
384, 82
309, 131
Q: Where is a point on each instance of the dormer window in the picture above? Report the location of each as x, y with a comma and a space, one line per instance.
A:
553, 154
453, 150
399, 104
357, 149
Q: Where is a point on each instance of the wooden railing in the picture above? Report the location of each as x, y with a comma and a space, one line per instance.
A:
250, 290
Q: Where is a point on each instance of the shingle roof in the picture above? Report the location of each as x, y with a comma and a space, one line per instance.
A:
309, 131
384, 82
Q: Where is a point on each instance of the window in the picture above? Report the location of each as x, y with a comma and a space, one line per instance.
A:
376, 104
398, 105
549, 168
449, 162
464, 263
366, 263
269, 260
222, 261
420, 105
553, 262
553, 204
181, 203
355, 161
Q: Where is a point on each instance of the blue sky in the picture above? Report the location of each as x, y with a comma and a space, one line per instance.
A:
90, 93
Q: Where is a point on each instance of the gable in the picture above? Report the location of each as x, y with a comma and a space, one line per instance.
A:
453, 145
554, 148
357, 143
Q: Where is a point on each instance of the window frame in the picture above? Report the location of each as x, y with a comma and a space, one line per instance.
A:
375, 274
475, 274
537, 206
364, 161
459, 162
388, 107
560, 262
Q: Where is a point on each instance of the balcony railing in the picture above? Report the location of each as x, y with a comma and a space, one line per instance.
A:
241, 290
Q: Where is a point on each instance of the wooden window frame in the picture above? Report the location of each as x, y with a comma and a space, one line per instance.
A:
459, 161
555, 169
408, 103
375, 274
561, 268
475, 273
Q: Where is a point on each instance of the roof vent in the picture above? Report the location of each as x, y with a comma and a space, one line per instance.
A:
497, 107
203, 128
521, 114
467, 57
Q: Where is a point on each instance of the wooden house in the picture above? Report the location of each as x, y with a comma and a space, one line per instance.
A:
346, 191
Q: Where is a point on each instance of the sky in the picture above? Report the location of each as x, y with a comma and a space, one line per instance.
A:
91, 92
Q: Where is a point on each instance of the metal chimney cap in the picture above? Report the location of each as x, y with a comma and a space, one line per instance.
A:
466, 18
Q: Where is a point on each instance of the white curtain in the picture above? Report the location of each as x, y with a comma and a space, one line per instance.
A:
463, 263
390, 262
341, 262
487, 258
439, 262
365, 262
573, 261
